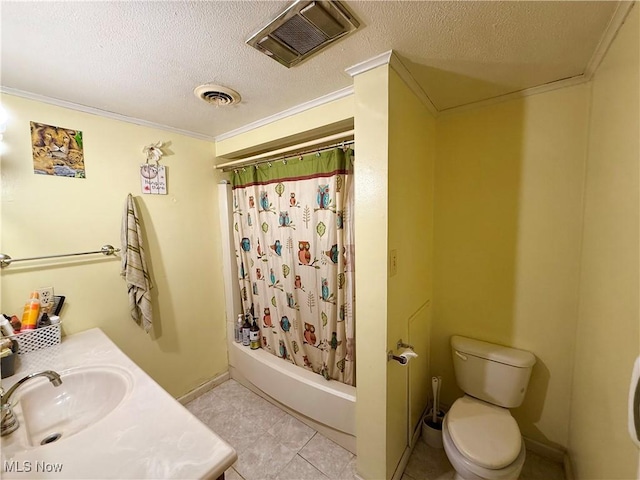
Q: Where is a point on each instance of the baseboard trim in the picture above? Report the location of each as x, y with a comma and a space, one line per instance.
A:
406, 455
204, 388
552, 453
568, 467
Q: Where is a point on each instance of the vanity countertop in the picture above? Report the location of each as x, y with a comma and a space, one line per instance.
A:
149, 435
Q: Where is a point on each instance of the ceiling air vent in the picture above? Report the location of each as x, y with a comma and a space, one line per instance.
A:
302, 30
217, 95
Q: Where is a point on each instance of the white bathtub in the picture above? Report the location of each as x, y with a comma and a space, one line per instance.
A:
326, 406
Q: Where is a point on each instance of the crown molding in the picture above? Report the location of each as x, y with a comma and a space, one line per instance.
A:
617, 20
527, 92
101, 113
338, 94
390, 58
374, 62
413, 85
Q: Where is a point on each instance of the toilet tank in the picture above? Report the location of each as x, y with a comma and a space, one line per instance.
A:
490, 372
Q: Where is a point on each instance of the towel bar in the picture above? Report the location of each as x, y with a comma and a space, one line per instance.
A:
6, 260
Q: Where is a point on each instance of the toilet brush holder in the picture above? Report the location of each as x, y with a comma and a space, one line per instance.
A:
432, 431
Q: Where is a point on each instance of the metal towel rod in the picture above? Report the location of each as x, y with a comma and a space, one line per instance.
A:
6, 260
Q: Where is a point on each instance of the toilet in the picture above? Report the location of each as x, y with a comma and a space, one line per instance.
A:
480, 437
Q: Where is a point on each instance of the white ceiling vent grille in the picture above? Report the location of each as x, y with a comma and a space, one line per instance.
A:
217, 95
304, 29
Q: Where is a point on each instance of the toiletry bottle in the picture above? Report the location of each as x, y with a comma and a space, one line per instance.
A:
44, 320
15, 323
246, 328
6, 327
254, 335
237, 329
31, 312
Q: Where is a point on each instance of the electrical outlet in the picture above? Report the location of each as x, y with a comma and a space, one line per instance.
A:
46, 295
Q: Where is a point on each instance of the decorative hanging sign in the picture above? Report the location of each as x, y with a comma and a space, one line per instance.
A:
153, 178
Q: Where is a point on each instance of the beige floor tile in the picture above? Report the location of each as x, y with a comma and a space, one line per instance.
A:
300, 469
206, 406
263, 460
427, 463
537, 467
231, 474
349, 472
327, 456
291, 432
267, 439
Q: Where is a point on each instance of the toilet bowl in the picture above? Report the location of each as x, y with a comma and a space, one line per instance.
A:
480, 437
482, 441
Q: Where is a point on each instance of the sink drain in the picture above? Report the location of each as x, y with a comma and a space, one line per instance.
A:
51, 438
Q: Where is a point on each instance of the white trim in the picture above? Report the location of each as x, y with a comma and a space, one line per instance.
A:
102, 113
204, 388
390, 58
404, 460
330, 97
547, 87
414, 86
406, 455
610, 33
374, 62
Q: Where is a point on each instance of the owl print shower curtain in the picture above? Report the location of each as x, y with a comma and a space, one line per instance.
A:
293, 231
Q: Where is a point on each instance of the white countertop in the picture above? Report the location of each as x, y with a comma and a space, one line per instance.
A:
149, 435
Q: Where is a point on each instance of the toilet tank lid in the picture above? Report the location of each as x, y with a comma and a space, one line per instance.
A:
493, 352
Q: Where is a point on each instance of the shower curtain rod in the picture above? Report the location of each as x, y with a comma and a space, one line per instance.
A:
280, 154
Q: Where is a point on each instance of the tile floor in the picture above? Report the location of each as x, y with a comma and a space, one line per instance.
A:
273, 445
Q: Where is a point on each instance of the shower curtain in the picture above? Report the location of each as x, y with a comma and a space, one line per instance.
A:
293, 231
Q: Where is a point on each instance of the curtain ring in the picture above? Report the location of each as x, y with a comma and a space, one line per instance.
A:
269, 164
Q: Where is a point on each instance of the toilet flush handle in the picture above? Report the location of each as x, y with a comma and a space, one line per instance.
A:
463, 357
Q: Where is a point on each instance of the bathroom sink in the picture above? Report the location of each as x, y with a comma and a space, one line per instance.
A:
87, 395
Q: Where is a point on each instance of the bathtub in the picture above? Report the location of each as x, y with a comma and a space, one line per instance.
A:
326, 406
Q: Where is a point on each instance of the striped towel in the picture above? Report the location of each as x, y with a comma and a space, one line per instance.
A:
134, 267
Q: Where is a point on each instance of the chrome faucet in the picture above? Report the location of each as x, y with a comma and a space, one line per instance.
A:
9, 421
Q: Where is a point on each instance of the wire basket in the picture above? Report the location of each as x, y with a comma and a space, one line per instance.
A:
37, 339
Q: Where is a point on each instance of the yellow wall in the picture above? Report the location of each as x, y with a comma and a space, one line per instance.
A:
48, 215
324, 119
371, 223
508, 209
395, 138
608, 326
411, 161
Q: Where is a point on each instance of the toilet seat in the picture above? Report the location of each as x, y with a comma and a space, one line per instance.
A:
485, 434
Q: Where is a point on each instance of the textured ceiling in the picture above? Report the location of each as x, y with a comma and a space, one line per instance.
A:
143, 59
